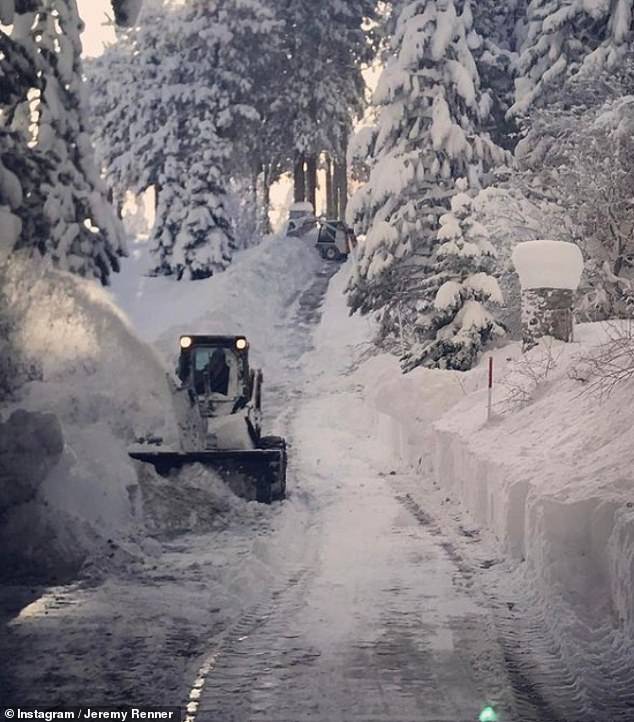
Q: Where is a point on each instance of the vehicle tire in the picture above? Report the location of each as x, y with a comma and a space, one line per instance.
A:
331, 253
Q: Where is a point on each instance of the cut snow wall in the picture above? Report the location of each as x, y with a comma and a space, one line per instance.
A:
575, 556
556, 499
555, 535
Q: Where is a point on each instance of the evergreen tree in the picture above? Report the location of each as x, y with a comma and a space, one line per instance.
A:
499, 32
170, 118
453, 321
62, 204
563, 37
431, 111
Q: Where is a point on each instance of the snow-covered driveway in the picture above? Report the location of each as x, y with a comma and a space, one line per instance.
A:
348, 601
376, 622
368, 615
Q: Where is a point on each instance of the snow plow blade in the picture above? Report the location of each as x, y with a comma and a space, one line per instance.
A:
253, 474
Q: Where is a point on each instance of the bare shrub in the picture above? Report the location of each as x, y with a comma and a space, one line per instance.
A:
610, 364
527, 375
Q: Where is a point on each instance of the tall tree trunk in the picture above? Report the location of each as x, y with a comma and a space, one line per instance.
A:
340, 184
255, 209
299, 179
343, 184
266, 199
343, 191
311, 181
115, 201
330, 195
157, 192
336, 188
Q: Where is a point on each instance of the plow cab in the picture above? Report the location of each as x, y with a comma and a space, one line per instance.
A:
219, 409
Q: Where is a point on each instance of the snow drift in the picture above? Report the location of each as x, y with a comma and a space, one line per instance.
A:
82, 386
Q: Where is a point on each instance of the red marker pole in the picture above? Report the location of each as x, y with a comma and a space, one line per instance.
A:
490, 405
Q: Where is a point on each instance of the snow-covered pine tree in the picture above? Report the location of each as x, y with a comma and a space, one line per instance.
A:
21, 167
563, 37
500, 29
122, 130
170, 119
431, 112
74, 225
192, 232
454, 321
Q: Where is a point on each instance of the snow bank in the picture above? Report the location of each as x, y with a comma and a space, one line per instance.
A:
29, 445
550, 475
70, 353
339, 338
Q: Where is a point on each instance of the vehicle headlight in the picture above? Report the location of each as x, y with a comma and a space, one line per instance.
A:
186, 341
241, 344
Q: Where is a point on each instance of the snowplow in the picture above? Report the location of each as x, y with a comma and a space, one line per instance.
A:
218, 404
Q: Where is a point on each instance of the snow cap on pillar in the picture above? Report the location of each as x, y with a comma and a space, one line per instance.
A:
550, 272
548, 264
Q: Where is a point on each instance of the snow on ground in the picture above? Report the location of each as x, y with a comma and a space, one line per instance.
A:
340, 588
377, 623
548, 478
250, 297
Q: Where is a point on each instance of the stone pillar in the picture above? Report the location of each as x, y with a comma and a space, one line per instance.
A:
547, 312
549, 273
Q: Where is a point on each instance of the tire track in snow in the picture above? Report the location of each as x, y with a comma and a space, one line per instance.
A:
227, 642
298, 340
529, 700
571, 688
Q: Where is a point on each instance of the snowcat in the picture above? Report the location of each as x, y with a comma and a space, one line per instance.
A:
218, 405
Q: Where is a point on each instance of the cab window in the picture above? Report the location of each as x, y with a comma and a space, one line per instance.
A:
216, 372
